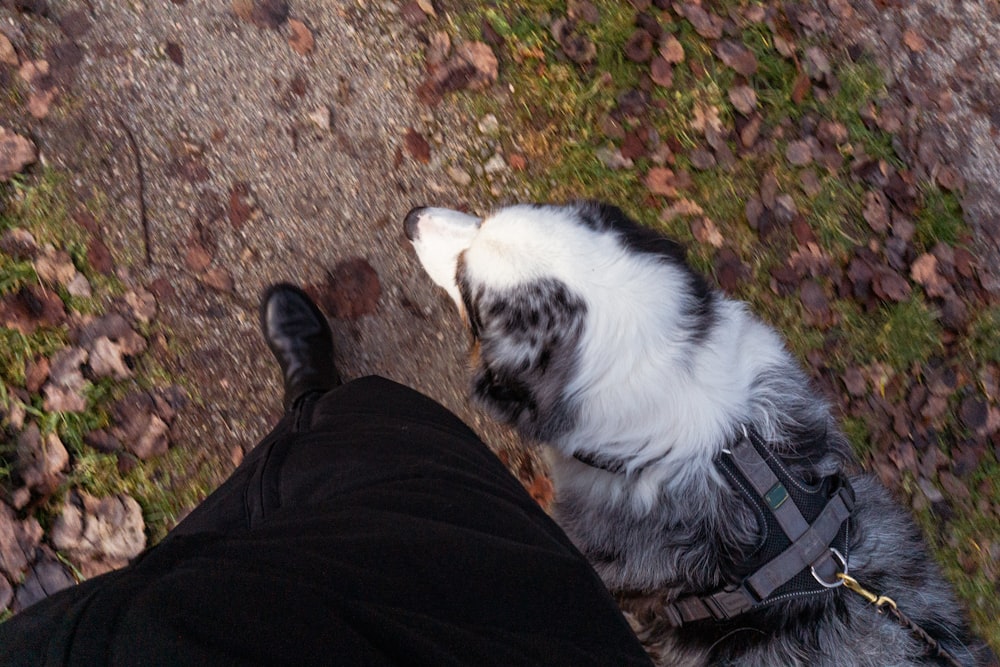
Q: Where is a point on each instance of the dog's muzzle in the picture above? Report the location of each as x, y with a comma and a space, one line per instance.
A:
439, 235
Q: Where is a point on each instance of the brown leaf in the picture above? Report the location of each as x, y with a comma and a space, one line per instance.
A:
472, 66
31, 307
913, 41
705, 231
973, 411
702, 159
737, 56
661, 72
672, 50
301, 39
197, 258
744, 99
798, 153
681, 207
438, 48
639, 47
262, 13
240, 207
175, 53
890, 286
660, 181
8, 55
218, 279
875, 211
633, 146
854, 381
924, 272
817, 306
801, 88
352, 290
729, 270
417, 146
16, 152
35, 374
751, 131
706, 24
577, 47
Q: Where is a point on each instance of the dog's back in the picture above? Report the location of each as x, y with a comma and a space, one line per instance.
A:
594, 336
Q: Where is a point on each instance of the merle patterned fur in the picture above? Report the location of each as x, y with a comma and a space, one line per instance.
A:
670, 525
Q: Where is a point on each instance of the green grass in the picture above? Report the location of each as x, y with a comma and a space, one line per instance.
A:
940, 218
43, 204
554, 116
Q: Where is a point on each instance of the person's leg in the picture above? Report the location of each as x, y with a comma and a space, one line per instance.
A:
300, 339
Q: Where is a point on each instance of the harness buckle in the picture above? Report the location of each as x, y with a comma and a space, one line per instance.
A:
838, 579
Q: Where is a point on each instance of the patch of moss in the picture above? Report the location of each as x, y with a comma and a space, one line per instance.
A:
940, 219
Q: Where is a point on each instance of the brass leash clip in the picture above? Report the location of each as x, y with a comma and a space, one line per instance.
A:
879, 601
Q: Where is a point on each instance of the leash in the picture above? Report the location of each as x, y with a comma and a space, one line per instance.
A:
886, 604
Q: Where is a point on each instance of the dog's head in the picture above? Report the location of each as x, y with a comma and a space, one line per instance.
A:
567, 306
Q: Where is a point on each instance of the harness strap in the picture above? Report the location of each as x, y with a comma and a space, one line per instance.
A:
809, 544
811, 549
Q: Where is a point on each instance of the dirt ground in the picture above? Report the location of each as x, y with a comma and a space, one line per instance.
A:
228, 123
219, 159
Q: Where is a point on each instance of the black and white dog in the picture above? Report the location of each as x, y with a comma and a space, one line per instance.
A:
678, 428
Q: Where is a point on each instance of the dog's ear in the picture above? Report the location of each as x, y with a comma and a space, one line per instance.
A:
529, 338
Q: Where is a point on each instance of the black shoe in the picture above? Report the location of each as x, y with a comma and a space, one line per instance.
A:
299, 336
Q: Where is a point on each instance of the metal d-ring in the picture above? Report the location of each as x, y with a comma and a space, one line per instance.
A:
838, 582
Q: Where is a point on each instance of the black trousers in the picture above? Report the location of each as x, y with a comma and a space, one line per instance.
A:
370, 527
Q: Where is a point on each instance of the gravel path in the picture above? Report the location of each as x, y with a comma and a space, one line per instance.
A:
258, 165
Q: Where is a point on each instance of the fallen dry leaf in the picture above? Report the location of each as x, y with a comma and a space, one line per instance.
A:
417, 146
218, 279
924, 272
913, 41
472, 66
798, 153
301, 40
16, 152
737, 56
352, 290
577, 47
890, 286
639, 47
660, 181
427, 7
262, 13
706, 231
705, 23
680, 207
744, 99
175, 53
8, 55
672, 50
661, 72
241, 208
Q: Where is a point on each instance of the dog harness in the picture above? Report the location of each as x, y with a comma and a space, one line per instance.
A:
804, 542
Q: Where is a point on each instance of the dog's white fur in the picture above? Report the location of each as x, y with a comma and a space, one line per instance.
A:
631, 407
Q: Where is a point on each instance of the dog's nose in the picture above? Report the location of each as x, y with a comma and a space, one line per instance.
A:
410, 222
